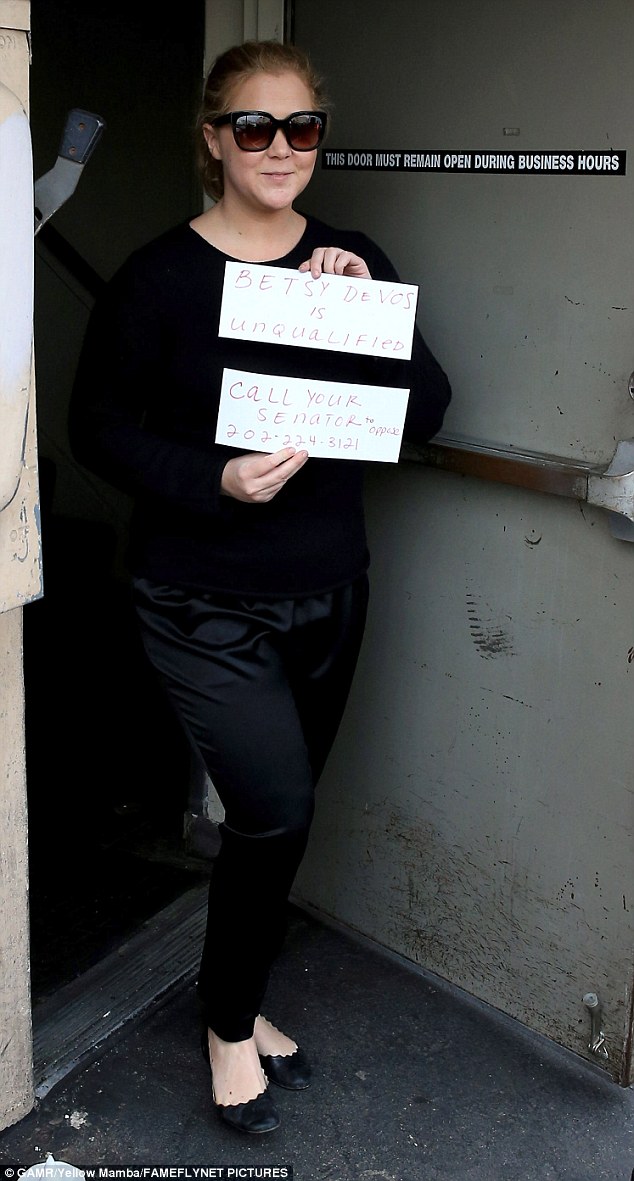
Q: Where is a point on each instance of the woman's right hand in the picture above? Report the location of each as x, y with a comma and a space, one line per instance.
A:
256, 478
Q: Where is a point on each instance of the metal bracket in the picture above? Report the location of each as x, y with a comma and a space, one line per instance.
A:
80, 137
614, 490
596, 1045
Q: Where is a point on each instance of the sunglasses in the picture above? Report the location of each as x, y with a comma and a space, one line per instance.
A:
254, 131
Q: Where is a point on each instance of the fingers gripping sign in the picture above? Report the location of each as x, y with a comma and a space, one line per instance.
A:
332, 260
255, 478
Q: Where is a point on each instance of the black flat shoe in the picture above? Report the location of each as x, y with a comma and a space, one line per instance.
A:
256, 1115
291, 1071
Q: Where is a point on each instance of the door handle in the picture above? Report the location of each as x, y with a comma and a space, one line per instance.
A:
610, 488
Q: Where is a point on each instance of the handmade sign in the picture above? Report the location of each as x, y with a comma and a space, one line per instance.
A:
334, 312
329, 419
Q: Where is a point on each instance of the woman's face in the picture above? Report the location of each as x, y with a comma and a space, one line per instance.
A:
272, 179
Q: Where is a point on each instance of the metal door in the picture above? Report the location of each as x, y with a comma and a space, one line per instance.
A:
476, 815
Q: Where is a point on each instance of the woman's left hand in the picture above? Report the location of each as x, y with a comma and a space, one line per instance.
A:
331, 260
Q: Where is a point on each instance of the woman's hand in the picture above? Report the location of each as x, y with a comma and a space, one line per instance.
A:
333, 261
256, 478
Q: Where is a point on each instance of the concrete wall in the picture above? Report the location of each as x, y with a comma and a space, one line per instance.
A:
16, 1083
16, 1088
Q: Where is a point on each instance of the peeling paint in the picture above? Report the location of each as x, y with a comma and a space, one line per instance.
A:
20, 536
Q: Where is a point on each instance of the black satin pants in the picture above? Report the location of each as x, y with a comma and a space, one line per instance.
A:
260, 688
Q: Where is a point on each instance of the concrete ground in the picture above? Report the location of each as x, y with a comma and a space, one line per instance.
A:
414, 1081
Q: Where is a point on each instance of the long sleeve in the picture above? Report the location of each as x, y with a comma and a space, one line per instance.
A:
118, 403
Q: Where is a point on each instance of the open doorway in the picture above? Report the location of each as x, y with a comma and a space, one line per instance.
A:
108, 770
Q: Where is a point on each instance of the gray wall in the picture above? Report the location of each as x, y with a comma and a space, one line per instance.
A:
477, 813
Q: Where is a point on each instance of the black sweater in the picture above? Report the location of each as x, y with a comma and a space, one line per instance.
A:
143, 417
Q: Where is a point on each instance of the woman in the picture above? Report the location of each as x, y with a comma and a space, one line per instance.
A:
249, 570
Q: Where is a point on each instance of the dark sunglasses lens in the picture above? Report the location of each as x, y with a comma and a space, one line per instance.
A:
305, 132
253, 132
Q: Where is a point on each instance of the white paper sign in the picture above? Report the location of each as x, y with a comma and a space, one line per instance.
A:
329, 419
333, 312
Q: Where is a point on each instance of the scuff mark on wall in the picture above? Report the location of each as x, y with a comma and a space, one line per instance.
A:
490, 637
462, 912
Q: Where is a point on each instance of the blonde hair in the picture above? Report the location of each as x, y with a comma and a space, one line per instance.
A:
229, 70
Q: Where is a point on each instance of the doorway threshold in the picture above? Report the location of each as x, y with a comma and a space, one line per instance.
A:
72, 1023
